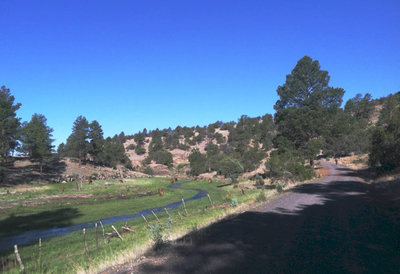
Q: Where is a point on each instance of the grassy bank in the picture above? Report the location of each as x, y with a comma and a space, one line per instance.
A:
24, 208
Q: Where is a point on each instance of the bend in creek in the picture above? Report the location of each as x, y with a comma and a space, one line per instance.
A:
34, 235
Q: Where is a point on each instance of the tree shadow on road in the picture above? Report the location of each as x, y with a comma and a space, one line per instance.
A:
347, 232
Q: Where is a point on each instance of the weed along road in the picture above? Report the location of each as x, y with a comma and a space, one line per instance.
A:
335, 225
34, 235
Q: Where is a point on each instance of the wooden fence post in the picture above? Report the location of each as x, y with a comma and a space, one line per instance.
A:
145, 220
104, 237
97, 239
158, 220
21, 265
84, 242
169, 216
184, 207
40, 249
119, 235
209, 199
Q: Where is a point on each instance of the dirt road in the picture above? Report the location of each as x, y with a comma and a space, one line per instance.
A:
335, 225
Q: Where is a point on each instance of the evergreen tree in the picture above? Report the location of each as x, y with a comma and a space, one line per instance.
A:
307, 104
9, 125
77, 143
385, 146
113, 154
198, 162
36, 139
95, 136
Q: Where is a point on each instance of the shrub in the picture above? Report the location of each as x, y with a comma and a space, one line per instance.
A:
130, 147
261, 197
182, 165
279, 186
288, 166
160, 234
162, 157
234, 202
140, 150
259, 181
148, 170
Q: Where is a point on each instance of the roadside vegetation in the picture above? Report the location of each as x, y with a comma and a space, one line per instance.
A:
43, 206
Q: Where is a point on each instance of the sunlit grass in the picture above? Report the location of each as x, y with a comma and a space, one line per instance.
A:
66, 253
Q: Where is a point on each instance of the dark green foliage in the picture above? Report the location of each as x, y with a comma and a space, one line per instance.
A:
77, 143
228, 126
119, 138
156, 143
148, 170
114, 154
307, 104
219, 138
360, 107
96, 142
156, 149
130, 147
259, 181
61, 150
139, 138
172, 140
201, 134
198, 162
287, 166
229, 167
140, 150
161, 157
385, 148
9, 125
212, 155
36, 139
251, 159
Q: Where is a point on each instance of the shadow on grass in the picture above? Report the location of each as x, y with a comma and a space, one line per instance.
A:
52, 171
347, 231
43, 220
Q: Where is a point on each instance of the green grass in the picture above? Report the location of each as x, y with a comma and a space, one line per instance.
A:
66, 253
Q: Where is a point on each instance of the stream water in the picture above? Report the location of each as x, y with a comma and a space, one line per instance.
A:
34, 235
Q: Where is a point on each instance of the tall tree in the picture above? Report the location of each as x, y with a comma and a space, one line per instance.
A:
9, 125
307, 103
96, 138
77, 143
36, 139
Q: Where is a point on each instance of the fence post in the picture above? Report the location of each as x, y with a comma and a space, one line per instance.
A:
209, 199
84, 242
184, 207
21, 265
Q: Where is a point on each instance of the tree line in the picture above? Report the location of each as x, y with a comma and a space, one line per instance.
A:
309, 121
34, 139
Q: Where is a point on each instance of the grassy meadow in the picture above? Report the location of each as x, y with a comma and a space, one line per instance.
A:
43, 206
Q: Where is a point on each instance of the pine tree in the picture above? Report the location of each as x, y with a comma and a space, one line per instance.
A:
77, 143
9, 125
96, 138
36, 139
307, 104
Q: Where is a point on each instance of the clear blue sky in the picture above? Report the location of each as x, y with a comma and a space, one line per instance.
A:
135, 64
